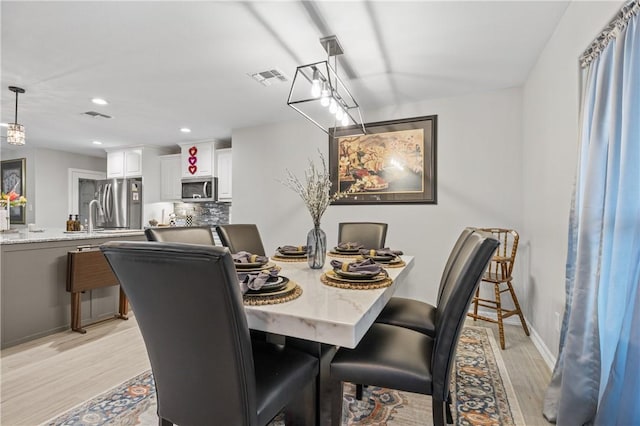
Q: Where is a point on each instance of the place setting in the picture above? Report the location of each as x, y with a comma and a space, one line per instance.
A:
360, 275
347, 249
248, 262
261, 282
385, 256
289, 253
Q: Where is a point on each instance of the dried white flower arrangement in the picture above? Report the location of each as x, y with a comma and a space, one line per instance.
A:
315, 190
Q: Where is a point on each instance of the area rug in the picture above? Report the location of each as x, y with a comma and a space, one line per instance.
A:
481, 391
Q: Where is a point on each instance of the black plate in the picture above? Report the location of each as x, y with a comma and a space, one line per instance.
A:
380, 258
341, 250
355, 275
270, 287
291, 254
379, 277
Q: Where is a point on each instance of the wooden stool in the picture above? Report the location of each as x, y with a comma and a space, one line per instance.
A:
499, 274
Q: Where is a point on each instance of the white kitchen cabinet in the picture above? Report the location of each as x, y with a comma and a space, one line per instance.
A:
170, 175
223, 170
124, 163
198, 160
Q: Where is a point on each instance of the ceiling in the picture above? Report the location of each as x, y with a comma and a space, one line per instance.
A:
166, 65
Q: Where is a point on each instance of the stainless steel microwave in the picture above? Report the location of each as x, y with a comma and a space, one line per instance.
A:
200, 189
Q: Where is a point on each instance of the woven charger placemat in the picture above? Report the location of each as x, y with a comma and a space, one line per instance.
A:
291, 292
394, 265
289, 259
354, 285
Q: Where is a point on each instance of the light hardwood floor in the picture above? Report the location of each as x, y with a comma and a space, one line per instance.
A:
45, 377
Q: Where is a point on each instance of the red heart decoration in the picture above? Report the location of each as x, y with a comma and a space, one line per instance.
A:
193, 151
193, 160
192, 169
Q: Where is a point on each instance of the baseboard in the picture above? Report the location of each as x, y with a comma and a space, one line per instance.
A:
543, 350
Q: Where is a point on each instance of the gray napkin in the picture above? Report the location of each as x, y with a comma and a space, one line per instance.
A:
368, 266
246, 257
255, 280
292, 248
381, 252
350, 245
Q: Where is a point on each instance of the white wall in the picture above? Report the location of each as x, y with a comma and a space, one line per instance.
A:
479, 146
550, 143
47, 181
52, 181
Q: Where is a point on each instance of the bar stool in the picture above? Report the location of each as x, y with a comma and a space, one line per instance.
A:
499, 274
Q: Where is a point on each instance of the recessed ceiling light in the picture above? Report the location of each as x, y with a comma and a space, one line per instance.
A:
96, 143
99, 101
185, 130
4, 125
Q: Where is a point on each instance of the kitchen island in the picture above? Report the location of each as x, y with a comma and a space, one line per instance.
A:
34, 299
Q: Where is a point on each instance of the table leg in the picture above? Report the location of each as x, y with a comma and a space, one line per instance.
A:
324, 390
123, 306
75, 313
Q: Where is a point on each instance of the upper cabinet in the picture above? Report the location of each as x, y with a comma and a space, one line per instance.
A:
170, 173
140, 161
223, 170
198, 159
124, 163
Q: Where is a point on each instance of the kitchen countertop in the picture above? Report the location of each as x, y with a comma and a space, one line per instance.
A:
25, 236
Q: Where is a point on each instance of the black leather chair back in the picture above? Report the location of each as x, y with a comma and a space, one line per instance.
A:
241, 237
453, 255
371, 234
461, 284
186, 234
196, 333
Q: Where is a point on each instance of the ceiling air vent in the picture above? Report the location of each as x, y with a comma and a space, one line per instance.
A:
96, 114
267, 77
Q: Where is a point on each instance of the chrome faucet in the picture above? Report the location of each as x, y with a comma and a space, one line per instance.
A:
91, 224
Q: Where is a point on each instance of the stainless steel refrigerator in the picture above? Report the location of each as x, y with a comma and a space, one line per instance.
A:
121, 203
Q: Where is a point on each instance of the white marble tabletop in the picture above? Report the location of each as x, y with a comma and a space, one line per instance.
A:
323, 313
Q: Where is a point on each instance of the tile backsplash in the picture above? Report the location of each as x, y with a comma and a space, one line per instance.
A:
205, 213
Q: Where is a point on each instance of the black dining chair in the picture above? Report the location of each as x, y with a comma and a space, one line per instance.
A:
241, 237
415, 314
370, 234
183, 234
206, 368
399, 358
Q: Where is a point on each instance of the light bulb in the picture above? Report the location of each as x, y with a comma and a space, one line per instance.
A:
332, 106
316, 87
345, 119
339, 114
324, 95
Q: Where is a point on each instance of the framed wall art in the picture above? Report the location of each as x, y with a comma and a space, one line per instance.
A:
13, 174
394, 162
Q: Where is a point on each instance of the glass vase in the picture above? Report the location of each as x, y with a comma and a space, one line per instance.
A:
316, 247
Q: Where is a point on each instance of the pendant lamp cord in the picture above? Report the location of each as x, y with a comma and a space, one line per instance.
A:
16, 117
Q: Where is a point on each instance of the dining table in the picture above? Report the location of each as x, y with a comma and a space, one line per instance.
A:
323, 318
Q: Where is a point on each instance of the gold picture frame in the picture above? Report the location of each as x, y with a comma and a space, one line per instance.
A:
393, 163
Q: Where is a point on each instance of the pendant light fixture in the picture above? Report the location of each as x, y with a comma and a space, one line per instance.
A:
318, 93
15, 131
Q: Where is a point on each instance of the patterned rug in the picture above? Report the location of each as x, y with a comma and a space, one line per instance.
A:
481, 390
